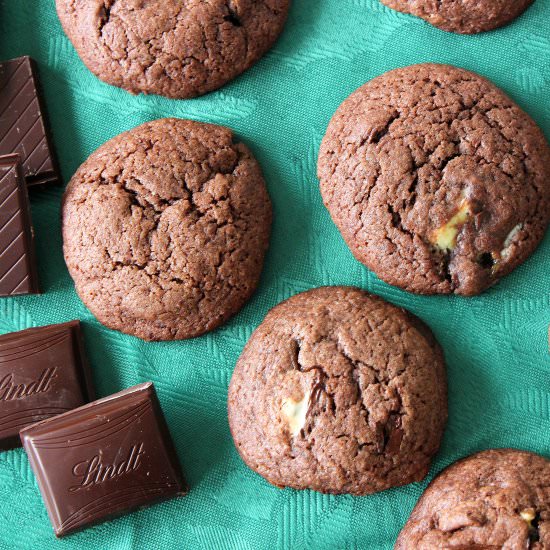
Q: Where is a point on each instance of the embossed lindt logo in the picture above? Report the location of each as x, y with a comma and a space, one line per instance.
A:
94, 472
10, 391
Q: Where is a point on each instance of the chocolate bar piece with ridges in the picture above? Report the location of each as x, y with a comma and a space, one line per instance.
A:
23, 128
43, 372
18, 273
104, 459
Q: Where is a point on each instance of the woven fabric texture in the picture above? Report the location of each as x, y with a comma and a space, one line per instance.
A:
496, 344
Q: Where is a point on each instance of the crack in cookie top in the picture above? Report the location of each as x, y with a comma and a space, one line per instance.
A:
463, 16
170, 47
165, 228
494, 499
340, 392
437, 181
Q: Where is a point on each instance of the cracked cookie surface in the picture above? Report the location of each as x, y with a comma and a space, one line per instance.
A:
340, 392
437, 181
169, 47
165, 228
497, 499
463, 16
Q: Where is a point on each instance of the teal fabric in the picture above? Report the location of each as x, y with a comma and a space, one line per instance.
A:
496, 344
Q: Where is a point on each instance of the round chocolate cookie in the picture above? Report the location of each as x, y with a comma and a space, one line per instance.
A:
165, 228
169, 47
438, 182
498, 499
340, 392
463, 16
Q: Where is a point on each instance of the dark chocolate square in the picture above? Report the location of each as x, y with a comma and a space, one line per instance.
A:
23, 128
18, 273
43, 372
104, 459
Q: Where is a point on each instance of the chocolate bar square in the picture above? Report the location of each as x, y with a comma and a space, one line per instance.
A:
23, 129
18, 273
103, 459
43, 372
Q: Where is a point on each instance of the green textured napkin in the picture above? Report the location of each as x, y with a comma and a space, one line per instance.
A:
496, 344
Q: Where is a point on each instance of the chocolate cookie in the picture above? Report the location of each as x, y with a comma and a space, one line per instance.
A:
463, 16
165, 228
492, 500
340, 392
437, 181
169, 47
